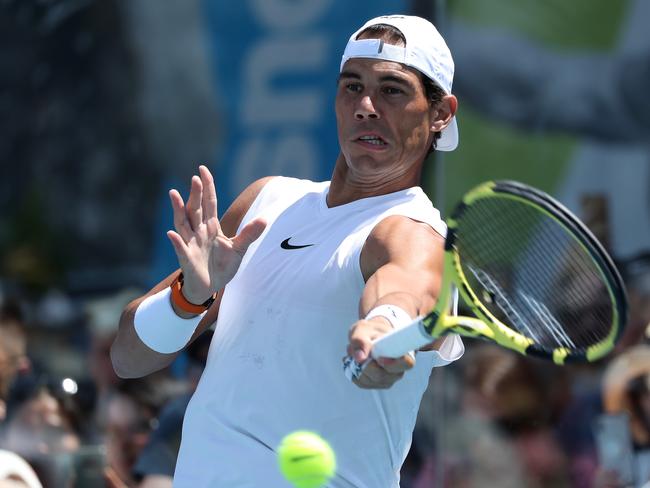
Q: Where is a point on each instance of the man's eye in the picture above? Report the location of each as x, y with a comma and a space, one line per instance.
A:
391, 90
353, 87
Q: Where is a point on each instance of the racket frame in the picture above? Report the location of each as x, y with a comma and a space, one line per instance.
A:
438, 322
504, 335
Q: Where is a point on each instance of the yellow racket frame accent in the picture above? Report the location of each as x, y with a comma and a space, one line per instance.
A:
486, 325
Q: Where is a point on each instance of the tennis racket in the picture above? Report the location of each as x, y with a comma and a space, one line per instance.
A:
535, 278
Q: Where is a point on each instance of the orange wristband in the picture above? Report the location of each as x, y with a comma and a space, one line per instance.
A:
181, 302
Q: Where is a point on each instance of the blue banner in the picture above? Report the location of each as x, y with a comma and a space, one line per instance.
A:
276, 63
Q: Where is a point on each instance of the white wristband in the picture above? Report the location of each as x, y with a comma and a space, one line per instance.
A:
398, 317
158, 326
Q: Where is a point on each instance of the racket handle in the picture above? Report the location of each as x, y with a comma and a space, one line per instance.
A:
395, 344
399, 342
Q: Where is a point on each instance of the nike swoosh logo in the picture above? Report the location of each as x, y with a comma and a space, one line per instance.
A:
304, 458
285, 245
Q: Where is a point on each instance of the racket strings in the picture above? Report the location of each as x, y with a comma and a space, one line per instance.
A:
585, 293
582, 287
533, 273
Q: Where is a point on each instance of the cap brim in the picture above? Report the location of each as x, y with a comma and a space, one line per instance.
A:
448, 137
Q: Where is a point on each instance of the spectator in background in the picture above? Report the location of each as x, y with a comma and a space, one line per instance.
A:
125, 412
626, 390
42, 429
576, 426
636, 273
132, 414
103, 315
157, 460
502, 434
15, 472
13, 352
44, 422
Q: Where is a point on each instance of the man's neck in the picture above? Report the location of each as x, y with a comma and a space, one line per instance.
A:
346, 187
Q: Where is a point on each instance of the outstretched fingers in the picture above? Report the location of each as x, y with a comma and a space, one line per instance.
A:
181, 224
209, 194
193, 209
180, 247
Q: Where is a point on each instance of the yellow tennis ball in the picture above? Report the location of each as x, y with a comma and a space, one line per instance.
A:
306, 459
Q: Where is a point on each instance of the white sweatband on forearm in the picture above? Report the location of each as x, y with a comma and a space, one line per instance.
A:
158, 326
398, 317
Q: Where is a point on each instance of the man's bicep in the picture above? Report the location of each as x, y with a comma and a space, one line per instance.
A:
402, 257
400, 286
404, 242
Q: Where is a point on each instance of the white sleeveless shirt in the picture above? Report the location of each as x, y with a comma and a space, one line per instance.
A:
275, 362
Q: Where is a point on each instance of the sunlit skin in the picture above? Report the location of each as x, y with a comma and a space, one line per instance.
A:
386, 100
386, 127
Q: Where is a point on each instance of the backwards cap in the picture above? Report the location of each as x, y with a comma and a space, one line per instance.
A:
425, 50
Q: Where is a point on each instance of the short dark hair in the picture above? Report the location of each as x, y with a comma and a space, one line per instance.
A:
392, 35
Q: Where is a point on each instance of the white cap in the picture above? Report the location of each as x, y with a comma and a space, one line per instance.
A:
425, 51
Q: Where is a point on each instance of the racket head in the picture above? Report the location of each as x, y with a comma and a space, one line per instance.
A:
534, 273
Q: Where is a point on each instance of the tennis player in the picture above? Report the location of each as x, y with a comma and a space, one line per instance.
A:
298, 274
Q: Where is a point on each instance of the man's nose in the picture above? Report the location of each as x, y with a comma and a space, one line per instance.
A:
366, 109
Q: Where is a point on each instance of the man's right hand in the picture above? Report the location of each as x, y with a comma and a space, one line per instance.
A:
208, 258
380, 373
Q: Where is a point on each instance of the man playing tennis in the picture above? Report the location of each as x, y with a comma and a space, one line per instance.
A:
296, 271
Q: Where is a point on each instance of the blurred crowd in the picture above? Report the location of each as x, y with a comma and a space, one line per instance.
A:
504, 420
76, 76
66, 419
494, 419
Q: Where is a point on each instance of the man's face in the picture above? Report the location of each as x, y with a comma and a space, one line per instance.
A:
383, 116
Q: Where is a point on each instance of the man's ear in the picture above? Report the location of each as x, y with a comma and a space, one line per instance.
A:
442, 113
